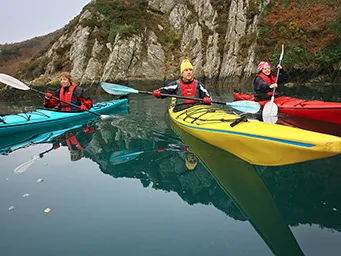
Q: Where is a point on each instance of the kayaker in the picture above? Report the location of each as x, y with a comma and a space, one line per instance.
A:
265, 81
68, 92
185, 86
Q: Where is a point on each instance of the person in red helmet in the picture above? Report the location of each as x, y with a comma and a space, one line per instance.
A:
68, 92
185, 86
265, 81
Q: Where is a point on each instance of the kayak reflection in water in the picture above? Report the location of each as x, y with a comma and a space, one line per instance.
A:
76, 141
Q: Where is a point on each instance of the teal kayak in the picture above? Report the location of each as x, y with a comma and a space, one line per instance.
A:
47, 118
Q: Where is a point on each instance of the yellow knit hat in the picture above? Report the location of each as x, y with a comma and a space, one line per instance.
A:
185, 64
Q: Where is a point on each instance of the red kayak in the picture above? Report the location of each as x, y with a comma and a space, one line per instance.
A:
312, 109
310, 124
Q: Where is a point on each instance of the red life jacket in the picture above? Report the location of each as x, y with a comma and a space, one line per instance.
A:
72, 142
268, 80
67, 96
188, 90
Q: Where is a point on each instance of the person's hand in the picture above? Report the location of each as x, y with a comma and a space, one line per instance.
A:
83, 107
157, 93
207, 100
56, 145
279, 67
48, 95
273, 86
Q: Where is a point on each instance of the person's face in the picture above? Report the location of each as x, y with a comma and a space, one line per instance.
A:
64, 81
266, 71
187, 74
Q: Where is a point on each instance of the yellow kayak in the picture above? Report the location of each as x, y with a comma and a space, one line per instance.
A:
254, 141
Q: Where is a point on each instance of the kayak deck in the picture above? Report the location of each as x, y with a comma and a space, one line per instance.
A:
41, 118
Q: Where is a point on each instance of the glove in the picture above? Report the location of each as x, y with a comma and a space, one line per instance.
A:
83, 107
56, 145
207, 100
48, 95
157, 93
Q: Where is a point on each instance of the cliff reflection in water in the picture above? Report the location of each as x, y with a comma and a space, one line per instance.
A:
270, 198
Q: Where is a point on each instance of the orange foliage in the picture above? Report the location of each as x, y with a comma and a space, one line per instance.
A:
305, 23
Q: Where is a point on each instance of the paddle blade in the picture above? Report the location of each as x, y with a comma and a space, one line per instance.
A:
270, 119
25, 166
270, 109
123, 156
270, 112
117, 89
11, 81
246, 106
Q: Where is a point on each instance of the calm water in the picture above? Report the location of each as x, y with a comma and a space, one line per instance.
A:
127, 191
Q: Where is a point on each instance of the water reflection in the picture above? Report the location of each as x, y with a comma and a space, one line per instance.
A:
246, 189
270, 198
274, 200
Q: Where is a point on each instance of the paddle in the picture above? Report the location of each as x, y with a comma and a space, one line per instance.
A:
243, 106
13, 82
25, 166
270, 109
123, 156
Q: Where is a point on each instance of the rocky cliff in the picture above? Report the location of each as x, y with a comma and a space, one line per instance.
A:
145, 40
211, 40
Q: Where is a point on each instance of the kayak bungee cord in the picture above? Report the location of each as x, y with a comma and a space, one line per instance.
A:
203, 111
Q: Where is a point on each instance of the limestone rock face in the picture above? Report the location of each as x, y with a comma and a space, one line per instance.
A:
196, 24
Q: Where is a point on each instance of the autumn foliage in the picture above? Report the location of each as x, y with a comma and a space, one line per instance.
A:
305, 23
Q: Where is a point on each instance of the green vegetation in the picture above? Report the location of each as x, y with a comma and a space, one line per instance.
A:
9, 51
120, 17
34, 68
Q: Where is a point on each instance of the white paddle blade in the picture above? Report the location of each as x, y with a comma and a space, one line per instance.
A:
270, 109
270, 112
25, 166
117, 89
103, 117
13, 82
270, 119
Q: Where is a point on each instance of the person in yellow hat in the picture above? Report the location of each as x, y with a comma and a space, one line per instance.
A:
186, 86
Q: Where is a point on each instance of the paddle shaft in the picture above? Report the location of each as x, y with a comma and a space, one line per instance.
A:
279, 63
243, 106
181, 97
71, 104
273, 92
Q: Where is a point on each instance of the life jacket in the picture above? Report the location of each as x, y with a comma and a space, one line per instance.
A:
67, 96
268, 80
72, 142
187, 90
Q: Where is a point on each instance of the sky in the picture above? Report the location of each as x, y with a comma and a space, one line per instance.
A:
24, 19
